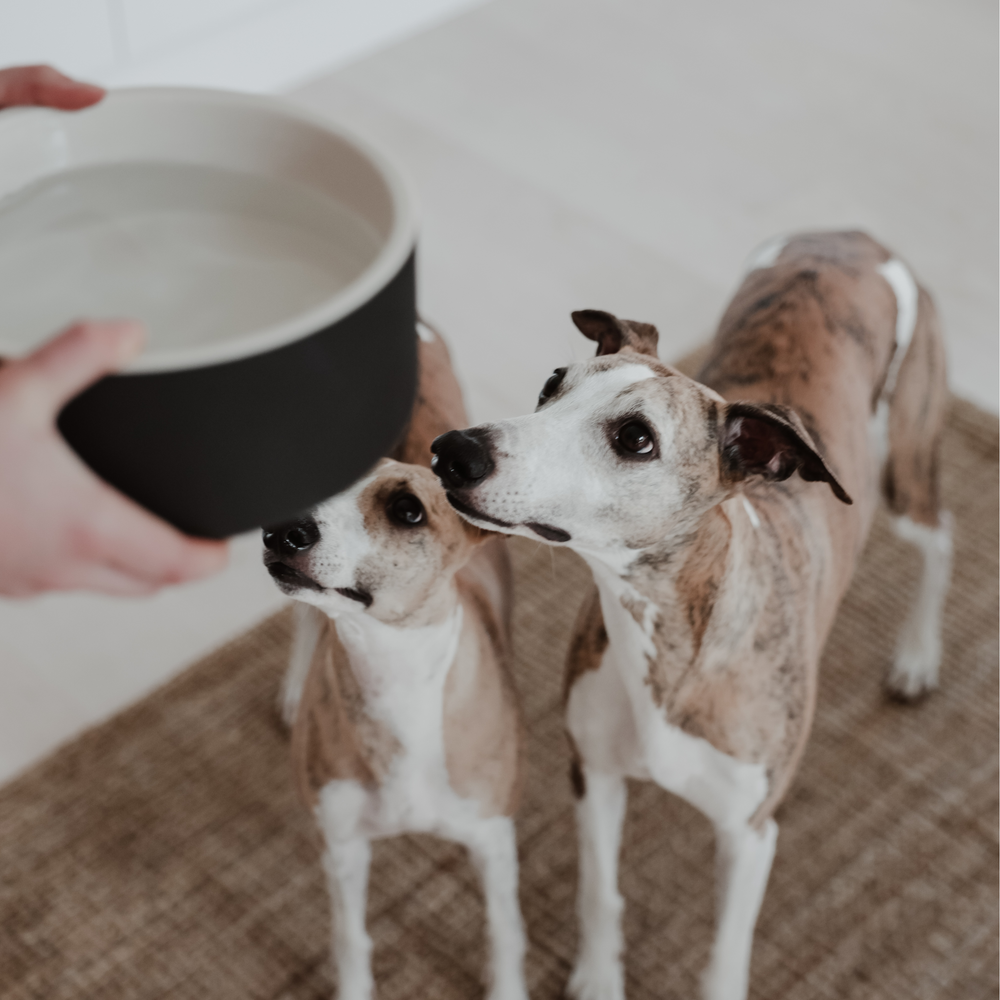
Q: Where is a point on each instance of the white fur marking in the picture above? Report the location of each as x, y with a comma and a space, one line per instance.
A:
492, 845
620, 378
402, 673
743, 862
904, 288
751, 513
597, 972
307, 622
346, 864
918, 648
766, 254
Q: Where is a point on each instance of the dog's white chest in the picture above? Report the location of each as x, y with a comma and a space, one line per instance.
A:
402, 673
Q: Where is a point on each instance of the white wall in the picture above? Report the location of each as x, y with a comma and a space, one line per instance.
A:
260, 45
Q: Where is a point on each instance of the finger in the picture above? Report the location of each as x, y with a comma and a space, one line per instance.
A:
139, 544
101, 578
182, 560
45, 87
76, 358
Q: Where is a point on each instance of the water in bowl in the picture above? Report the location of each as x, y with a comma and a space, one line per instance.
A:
199, 254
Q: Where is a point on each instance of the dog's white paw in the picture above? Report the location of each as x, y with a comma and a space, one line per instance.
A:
914, 672
597, 979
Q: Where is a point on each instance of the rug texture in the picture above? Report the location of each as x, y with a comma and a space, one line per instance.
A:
165, 854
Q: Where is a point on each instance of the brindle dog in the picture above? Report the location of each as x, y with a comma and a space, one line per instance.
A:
718, 571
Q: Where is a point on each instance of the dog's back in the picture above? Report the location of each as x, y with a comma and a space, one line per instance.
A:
822, 323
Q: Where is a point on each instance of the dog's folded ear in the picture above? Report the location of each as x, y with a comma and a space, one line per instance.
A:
613, 334
769, 440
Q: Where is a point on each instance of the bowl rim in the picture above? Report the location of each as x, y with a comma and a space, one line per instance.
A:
391, 257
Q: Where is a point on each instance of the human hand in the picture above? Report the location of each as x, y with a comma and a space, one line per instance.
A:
61, 527
45, 87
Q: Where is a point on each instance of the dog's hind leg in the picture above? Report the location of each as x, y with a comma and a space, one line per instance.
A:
917, 659
911, 485
492, 846
743, 863
600, 812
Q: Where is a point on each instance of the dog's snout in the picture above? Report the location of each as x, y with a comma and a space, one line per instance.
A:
293, 538
462, 458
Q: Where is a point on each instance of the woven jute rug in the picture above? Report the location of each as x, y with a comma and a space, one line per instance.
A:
164, 854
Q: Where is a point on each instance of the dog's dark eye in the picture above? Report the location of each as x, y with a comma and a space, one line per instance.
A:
635, 438
551, 384
406, 510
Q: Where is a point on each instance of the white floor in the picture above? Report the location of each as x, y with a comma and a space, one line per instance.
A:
616, 154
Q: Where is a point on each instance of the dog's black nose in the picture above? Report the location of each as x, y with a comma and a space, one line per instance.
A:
462, 458
293, 538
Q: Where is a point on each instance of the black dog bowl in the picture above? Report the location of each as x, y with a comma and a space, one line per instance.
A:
271, 258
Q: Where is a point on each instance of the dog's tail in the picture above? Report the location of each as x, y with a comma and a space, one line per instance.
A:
909, 414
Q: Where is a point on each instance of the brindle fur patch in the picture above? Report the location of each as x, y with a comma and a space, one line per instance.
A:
701, 575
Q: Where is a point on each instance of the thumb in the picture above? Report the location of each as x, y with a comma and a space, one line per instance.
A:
78, 357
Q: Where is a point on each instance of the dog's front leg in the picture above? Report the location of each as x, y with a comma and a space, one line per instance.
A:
346, 863
600, 812
743, 860
492, 846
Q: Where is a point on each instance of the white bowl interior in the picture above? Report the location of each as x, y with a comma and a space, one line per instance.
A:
227, 223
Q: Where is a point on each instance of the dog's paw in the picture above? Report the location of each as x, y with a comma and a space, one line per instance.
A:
914, 673
597, 980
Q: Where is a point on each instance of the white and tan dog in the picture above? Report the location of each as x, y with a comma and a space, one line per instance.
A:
405, 717
718, 571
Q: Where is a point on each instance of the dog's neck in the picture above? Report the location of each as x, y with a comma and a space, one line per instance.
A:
436, 606
663, 559
385, 654
655, 584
